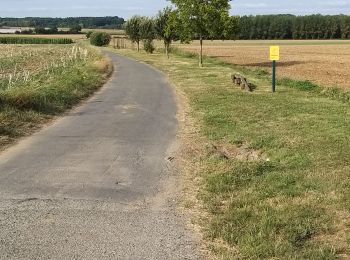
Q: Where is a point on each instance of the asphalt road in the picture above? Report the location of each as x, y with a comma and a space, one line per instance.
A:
97, 183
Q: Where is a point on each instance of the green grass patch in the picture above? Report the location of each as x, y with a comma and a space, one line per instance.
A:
301, 85
292, 202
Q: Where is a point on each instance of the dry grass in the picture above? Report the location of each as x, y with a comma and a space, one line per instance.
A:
21, 62
326, 63
104, 65
38, 82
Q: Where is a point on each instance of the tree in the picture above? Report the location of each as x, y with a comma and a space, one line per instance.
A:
202, 19
166, 27
76, 28
147, 30
133, 30
231, 28
40, 30
53, 30
148, 34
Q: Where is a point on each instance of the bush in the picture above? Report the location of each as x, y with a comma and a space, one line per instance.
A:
75, 29
100, 39
148, 46
88, 34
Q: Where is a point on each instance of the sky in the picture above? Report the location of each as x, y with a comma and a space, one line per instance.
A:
127, 8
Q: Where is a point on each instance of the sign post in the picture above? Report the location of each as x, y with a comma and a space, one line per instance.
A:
274, 56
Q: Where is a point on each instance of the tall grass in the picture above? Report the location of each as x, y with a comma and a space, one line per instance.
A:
20, 65
29, 40
38, 82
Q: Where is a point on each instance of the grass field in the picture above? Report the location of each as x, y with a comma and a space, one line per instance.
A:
38, 82
270, 171
325, 62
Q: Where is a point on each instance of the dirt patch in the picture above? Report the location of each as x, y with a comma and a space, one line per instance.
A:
241, 153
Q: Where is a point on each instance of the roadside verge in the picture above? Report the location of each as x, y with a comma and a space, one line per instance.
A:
45, 84
266, 175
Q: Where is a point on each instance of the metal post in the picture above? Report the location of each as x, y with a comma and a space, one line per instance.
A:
274, 76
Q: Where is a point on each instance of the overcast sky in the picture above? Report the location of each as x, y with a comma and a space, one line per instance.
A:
127, 8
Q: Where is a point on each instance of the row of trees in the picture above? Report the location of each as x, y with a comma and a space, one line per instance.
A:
164, 26
75, 29
198, 19
113, 22
294, 27
191, 19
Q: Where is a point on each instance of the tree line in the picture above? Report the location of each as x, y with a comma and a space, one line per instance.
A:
74, 29
108, 22
318, 26
189, 20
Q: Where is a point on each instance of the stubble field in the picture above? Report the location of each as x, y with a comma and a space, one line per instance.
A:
326, 63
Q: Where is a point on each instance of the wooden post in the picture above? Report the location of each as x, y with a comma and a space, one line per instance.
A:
274, 76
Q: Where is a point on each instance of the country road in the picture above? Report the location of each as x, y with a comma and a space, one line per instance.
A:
96, 183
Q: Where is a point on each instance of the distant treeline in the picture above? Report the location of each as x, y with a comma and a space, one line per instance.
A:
108, 22
294, 27
75, 29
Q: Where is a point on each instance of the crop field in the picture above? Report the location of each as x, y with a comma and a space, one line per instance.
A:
34, 40
326, 63
74, 37
21, 63
40, 81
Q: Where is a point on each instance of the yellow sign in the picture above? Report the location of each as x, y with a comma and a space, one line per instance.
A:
275, 53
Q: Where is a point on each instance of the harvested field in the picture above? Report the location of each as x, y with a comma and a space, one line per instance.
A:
109, 31
326, 63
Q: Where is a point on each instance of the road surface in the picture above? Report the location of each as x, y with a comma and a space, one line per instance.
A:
97, 183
